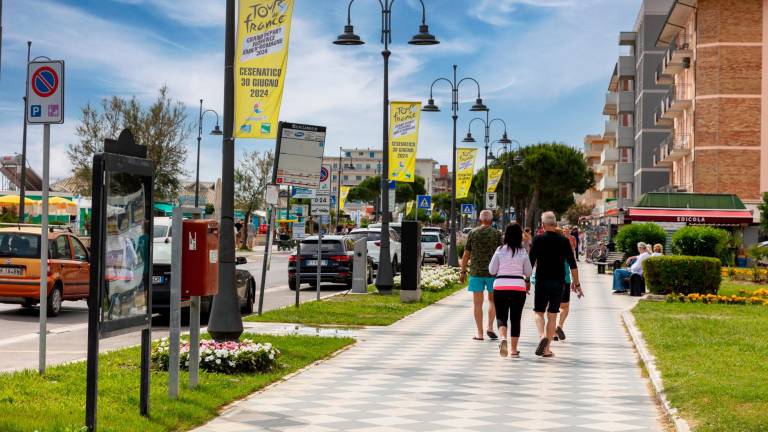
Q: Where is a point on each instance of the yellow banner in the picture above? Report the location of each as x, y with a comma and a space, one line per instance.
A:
494, 176
263, 32
465, 163
408, 207
343, 192
403, 140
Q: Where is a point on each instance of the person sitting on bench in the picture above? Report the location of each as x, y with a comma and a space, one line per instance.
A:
635, 267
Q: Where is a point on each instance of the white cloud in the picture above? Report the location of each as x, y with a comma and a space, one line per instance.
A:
499, 12
197, 13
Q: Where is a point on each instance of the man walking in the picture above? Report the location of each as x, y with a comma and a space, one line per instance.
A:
481, 245
549, 254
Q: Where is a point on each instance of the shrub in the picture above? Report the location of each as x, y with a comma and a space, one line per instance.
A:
630, 235
221, 357
682, 274
700, 241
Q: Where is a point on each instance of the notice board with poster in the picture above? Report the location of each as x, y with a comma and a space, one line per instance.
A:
299, 155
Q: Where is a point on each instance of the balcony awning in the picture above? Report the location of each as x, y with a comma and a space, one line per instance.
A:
690, 216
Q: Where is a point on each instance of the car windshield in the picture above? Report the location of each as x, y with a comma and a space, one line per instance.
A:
310, 246
160, 231
19, 245
429, 238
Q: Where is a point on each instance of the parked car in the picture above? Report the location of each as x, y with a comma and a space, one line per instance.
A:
432, 247
245, 284
373, 236
68, 267
395, 226
336, 266
161, 227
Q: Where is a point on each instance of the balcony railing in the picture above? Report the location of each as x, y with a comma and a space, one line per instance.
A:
627, 66
610, 128
608, 182
611, 100
663, 77
672, 149
678, 55
609, 156
678, 99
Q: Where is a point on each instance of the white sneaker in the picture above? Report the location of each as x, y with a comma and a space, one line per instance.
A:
503, 350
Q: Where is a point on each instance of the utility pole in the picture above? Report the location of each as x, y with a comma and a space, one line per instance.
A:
23, 180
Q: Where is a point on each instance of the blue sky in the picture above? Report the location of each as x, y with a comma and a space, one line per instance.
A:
543, 66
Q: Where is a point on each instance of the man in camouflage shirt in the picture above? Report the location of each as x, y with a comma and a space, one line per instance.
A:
481, 244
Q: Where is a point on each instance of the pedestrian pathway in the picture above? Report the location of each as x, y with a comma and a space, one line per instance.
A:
425, 373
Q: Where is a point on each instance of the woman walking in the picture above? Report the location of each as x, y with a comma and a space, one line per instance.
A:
512, 268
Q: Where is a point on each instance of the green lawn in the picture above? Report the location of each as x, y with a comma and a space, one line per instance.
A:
728, 288
713, 361
371, 309
56, 401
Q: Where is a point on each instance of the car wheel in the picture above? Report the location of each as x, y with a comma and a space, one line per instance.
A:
292, 284
441, 260
395, 267
250, 295
28, 303
369, 280
54, 301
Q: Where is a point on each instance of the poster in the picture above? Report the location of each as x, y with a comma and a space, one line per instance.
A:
403, 140
465, 168
494, 176
343, 192
263, 32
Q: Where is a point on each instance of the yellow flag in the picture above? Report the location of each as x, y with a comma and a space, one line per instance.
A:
408, 207
263, 32
465, 163
403, 140
494, 176
344, 191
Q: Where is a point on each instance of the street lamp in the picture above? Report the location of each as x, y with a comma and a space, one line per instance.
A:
518, 160
504, 140
453, 259
215, 131
384, 277
339, 173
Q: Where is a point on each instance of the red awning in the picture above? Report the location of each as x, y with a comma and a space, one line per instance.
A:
691, 216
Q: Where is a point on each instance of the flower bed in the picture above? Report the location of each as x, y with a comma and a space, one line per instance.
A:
759, 297
754, 274
245, 356
435, 278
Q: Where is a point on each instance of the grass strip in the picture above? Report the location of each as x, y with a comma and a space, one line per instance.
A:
56, 401
733, 288
712, 361
372, 309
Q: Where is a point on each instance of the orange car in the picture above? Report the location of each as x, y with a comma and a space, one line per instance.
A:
68, 267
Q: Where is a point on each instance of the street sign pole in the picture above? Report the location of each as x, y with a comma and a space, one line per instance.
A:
44, 251
265, 261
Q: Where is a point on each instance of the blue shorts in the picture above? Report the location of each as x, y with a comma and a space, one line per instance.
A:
479, 284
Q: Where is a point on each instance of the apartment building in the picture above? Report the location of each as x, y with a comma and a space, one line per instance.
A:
594, 146
443, 182
356, 165
715, 62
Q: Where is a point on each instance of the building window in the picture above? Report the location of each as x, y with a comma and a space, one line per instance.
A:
367, 166
333, 177
371, 154
360, 153
358, 178
359, 166
346, 177
348, 154
335, 166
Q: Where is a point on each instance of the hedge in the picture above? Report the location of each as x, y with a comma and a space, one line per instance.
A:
630, 235
682, 274
700, 241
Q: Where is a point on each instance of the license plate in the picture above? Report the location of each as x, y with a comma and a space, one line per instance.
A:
313, 263
157, 280
11, 271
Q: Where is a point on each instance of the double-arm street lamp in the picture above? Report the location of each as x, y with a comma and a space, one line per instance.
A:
455, 83
384, 277
518, 160
215, 131
503, 140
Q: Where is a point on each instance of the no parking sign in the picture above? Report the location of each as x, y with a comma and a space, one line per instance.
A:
45, 92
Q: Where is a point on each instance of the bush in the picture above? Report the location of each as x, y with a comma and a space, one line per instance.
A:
700, 241
630, 235
682, 274
221, 357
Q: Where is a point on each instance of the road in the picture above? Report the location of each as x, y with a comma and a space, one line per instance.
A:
67, 333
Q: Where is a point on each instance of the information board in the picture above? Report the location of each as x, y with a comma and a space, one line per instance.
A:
299, 153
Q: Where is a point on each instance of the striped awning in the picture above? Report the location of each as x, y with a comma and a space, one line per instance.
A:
690, 216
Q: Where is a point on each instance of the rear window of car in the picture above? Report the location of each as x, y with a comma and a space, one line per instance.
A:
160, 231
430, 238
19, 245
308, 246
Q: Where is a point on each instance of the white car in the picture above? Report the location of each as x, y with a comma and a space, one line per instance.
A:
373, 239
432, 247
161, 227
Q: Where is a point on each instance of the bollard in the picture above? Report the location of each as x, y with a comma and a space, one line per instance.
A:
360, 267
410, 277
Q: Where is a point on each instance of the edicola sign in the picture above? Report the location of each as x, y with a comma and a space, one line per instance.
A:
45, 92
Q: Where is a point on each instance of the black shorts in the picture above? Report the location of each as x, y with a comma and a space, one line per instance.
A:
547, 296
566, 293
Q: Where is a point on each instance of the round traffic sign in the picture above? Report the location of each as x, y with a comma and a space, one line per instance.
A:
323, 174
45, 81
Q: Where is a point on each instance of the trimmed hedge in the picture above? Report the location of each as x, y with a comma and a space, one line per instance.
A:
682, 274
700, 241
630, 235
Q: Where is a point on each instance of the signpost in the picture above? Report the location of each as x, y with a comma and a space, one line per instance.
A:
392, 195
325, 181
45, 102
490, 200
468, 209
299, 154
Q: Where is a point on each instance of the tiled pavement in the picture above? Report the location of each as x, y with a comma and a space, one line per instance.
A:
425, 373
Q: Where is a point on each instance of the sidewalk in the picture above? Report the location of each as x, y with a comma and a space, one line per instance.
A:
425, 373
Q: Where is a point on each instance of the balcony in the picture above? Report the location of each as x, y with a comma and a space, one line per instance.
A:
678, 99
672, 149
662, 76
626, 102
592, 151
625, 137
678, 55
610, 129
607, 183
625, 172
609, 156
627, 66
611, 99
627, 38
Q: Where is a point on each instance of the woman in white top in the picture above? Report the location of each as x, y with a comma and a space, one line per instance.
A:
512, 268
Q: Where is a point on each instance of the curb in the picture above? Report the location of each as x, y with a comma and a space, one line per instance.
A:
649, 361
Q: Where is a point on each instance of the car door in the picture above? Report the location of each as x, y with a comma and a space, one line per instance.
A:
81, 284
61, 262
394, 246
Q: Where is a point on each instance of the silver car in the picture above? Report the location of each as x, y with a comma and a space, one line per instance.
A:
373, 239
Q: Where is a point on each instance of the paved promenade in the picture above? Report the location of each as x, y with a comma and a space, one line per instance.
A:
425, 373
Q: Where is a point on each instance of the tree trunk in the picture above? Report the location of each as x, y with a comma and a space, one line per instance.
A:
244, 229
532, 207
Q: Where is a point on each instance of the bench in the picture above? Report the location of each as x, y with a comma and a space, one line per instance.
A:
614, 259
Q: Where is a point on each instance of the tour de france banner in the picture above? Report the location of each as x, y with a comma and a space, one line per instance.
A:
343, 192
494, 176
403, 140
263, 31
465, 168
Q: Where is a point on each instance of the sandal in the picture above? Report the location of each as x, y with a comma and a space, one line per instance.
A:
491, 335
542, 346
503, 348
477, 338
515, 354
548, 355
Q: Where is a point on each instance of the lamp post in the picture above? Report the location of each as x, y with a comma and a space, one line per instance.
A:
518, 160
455, 83
504, 140
338, 190
215, 131
384, 277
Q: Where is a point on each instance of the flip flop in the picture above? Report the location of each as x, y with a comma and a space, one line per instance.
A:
477, 338
560, 333
548, 355
491, 335
542, 346
515, 354
503, 348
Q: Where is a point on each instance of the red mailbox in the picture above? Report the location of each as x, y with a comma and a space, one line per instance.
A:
200, 258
